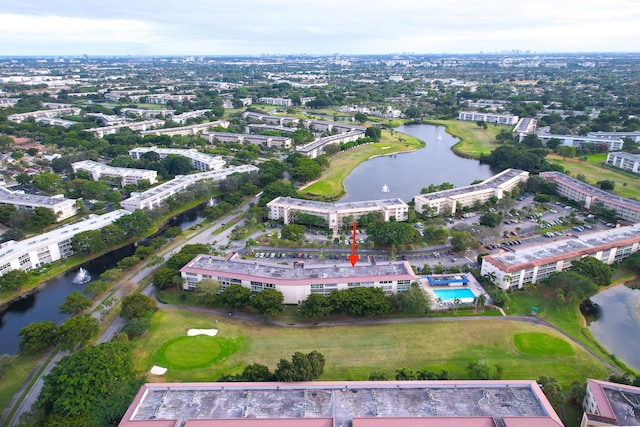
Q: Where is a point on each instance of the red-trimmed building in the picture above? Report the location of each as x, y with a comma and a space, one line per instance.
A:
610, 404
514, 403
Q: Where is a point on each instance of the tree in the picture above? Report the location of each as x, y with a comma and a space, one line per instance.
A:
268, 302
483, 370
76, 331
128, 262
373, 132
633, 262
566, 151
173, 232
606, 185
6, 364
207, 291
572, 283
137, 305
137, 326
235, 296
293, 232
552, 391
360, 117
13, 279
88, 242
361, 301
490, 219
594, 269
302, 367
256, 372
462, 241
391, 233
47, 182
377, 376
6, 212
84, 378
41, 218
405, 374
276, 189
134, 224
93, 189
112, 235
109, 410
37, 336
414, 301
316, 305
74, 303
165, 277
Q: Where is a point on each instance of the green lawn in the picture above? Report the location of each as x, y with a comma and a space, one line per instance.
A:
474, 140
353, 352
330, 187
12, 380
594, 171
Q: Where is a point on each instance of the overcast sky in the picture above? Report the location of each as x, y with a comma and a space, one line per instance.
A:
250, 27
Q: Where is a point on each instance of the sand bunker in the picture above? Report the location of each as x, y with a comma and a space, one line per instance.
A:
158, 370
210, 332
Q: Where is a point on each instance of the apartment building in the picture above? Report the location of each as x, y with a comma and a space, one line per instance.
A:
525, 126
501, 119
268, 141
63, 208
634, 136
578, 141
589, 196
147, 114
449, 201
316, 148
187, 130
164, 98
610, 404
299, 281
518, 268
122, 176
200, 161
58, 112
142, 126
271, 120
285, 208
45, 248
153, 197
281, 102
464, 403
626, 161
182, 118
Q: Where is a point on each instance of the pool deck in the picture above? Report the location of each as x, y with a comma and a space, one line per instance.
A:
474, 286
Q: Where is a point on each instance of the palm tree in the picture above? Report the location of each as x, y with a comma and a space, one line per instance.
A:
481, 301
455, 301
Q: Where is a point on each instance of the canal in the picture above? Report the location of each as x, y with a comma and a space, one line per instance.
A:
43, 304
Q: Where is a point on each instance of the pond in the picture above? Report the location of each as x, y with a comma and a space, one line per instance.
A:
405, 174
618, 325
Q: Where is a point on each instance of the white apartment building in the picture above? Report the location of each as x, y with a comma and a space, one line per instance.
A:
285, 208
122, 175
62, 207
634, 136
578, 141
8, 102
147, 114
110, 130
299, 281
589, 196
164, 98
281, 102
182, 118
153, 197
516, 269
280, 142
200, 161
331, 127
448, 201
501, 119
54, 121
187, 130
59, 112
525, 126
316, 148
271, 120
45, 248
610, 404
626, 161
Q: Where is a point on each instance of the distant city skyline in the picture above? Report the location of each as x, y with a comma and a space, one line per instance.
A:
254, 27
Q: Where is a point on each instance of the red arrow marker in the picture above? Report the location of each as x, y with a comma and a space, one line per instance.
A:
353, 257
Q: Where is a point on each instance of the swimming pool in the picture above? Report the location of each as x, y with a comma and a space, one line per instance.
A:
449, 294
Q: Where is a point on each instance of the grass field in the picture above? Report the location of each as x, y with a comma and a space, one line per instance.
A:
474, 140
594, 171
330, 187
13, 379
353, 352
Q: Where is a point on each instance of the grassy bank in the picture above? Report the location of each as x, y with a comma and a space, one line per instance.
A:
594, 169
353, 352
330, 187
474, 140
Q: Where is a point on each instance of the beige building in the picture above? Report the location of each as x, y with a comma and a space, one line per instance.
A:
334, 214
61, 206
123, 175
448, 201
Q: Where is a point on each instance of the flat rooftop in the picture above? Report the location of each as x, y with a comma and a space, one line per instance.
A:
309, 272
627, 156
625, 404
488, 184
589, 189
410, 403
338, 206
566, 248
15, 197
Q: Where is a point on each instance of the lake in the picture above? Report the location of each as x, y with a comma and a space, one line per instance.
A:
618, 326
405, 174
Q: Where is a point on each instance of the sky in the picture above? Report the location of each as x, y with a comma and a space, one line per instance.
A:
320, 27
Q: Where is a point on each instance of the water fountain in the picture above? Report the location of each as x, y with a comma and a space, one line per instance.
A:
385, 188
82, 277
